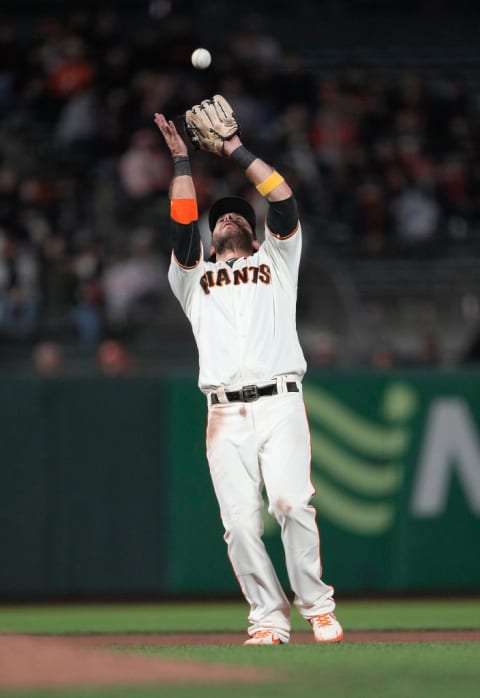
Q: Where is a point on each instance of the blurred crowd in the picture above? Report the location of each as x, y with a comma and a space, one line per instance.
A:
385, 161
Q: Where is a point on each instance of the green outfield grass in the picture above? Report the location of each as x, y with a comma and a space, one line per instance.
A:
396, 670
230, 617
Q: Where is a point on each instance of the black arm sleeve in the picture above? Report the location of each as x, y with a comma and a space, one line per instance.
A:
282, 216
186, 242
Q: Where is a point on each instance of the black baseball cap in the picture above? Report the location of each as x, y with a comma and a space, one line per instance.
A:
232, 204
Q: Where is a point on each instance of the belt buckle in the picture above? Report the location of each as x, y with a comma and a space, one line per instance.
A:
249, 393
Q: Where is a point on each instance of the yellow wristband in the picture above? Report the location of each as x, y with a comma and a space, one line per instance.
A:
269, 184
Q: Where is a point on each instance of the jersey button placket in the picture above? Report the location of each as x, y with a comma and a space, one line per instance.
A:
241, 330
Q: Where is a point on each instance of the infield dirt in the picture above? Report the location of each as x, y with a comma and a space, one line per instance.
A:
44, 661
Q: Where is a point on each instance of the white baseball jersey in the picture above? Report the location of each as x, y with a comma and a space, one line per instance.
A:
243, 319
243, 316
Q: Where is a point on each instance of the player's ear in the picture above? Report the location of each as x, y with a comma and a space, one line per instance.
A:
212, 251
256, 245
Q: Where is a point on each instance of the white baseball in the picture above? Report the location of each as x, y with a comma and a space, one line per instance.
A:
201, 58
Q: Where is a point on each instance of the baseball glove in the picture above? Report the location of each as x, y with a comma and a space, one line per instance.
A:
211, 123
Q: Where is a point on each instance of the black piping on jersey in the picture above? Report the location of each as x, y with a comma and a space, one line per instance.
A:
282, 221
286, 237
186, 243
282, 217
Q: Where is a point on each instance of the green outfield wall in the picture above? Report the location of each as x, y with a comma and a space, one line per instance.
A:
104, 485
82, 501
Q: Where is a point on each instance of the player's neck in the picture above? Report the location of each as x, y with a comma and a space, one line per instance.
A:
232, 253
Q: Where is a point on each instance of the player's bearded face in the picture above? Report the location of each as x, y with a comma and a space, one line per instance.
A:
232, 231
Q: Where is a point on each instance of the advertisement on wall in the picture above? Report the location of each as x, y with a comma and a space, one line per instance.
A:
396, 471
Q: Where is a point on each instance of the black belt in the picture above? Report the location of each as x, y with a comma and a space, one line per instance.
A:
250, 393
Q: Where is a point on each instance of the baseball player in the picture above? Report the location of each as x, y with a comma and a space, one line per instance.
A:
241, 305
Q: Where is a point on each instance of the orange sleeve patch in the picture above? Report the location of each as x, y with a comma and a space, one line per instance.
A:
184, 210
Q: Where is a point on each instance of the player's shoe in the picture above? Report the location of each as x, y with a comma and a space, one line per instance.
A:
263, 637
326, 628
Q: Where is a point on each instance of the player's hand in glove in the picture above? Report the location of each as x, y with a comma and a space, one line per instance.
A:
211, 123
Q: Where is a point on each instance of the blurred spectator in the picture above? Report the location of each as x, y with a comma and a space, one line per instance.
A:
144, 169
415, 215
11, 63
134, 285
253, 45
57, 285
87, 314
113, 359
8, 199
320, 347
48, 358
77, 127
334, 131
18, 289
371, 222
454, 191
383, 356
71, 72
430, 354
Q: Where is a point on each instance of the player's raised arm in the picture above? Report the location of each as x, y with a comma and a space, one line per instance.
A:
212, 126
282, 217
183, 199
268, 182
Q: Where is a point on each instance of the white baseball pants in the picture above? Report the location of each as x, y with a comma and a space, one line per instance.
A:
259, 444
